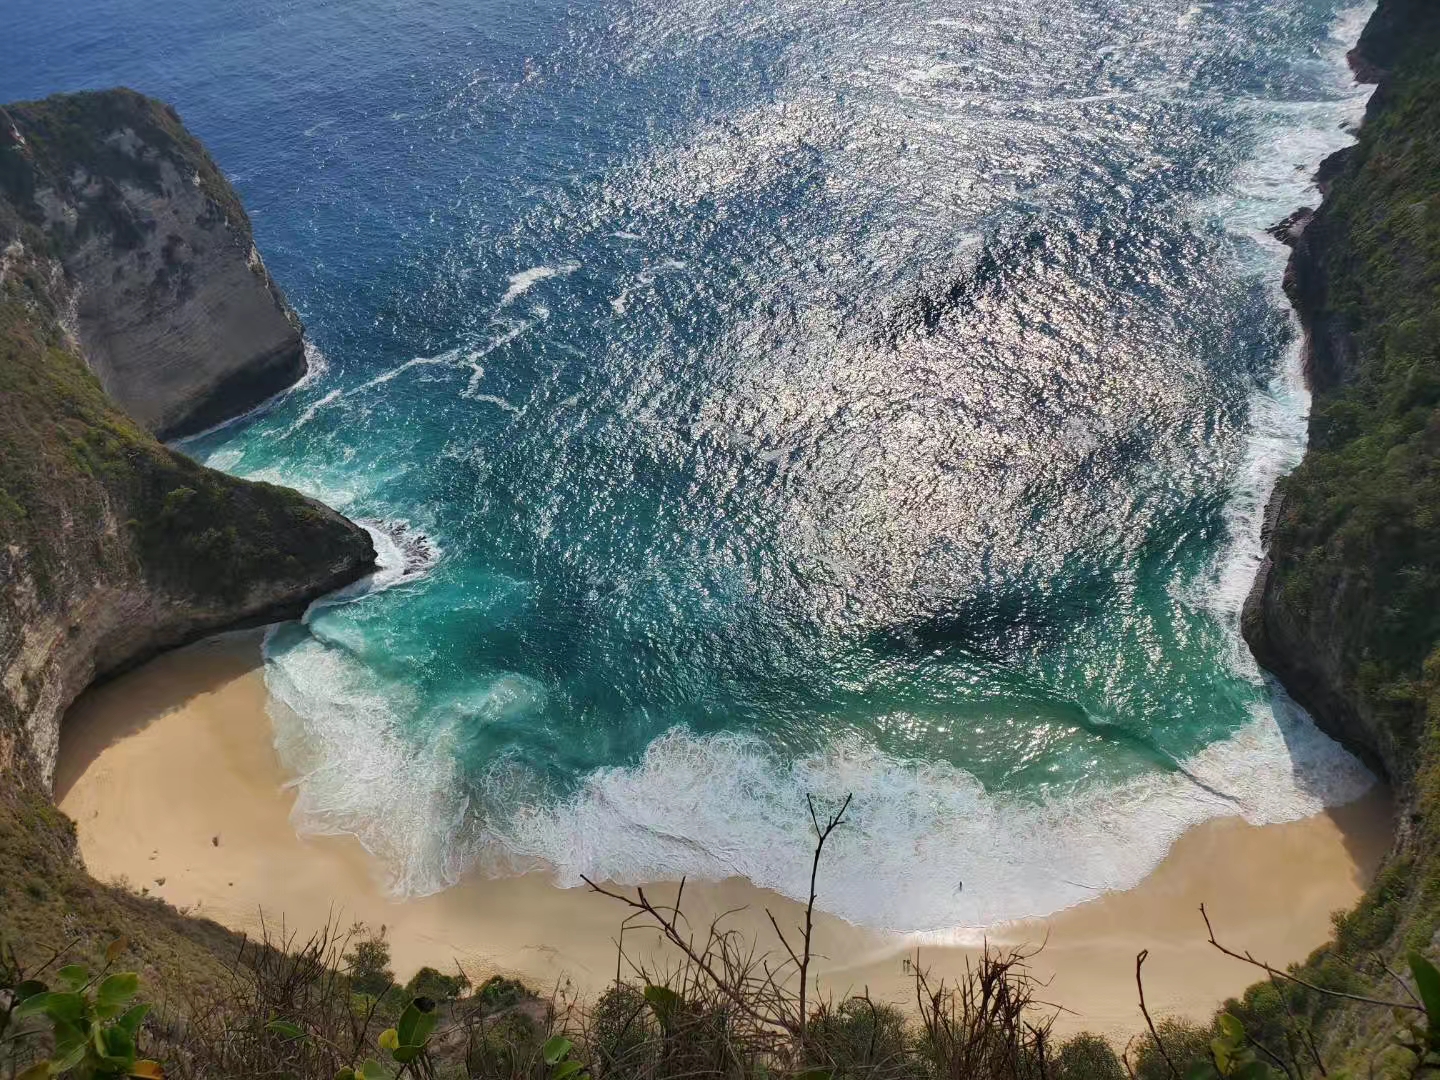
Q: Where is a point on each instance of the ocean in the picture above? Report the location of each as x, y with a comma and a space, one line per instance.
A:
756, 400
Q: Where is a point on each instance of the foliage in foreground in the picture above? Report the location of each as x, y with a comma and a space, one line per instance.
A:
328, 1008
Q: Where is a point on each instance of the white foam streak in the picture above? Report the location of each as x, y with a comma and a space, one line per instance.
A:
521, 283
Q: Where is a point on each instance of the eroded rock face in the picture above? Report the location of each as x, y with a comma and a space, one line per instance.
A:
172, 305
125, 261
1346, 608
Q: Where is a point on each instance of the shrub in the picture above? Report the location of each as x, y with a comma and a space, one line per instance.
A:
368, 963
858, 1037
1087, 1057
498, 992
430, 983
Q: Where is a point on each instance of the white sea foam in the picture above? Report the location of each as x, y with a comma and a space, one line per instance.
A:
952, 854
520, 283
356, 773
400, 369
312, 410
317, 364
497, 401
402, 553
1278, 179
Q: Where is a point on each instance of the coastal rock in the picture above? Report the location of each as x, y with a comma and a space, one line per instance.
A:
1343, 610
112, 547
172, 306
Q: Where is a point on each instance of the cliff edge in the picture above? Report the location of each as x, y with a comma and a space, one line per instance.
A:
1346, 609
126, 267
171, 305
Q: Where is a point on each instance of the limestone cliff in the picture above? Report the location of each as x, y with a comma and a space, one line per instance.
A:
113, 547
1346, 610
171, 303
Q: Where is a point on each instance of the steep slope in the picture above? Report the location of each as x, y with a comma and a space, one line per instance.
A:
1347, 609
171, 303
113, 547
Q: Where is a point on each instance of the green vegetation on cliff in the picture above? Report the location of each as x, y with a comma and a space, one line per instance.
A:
112, 547
71, 462
1356, 547
68, 133
1348, 615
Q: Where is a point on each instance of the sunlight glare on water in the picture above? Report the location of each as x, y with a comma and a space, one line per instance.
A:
874, 397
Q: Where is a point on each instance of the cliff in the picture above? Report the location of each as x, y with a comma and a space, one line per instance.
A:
1346, 610
123, 249
169, 300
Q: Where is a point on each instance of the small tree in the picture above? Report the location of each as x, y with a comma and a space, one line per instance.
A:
369, 963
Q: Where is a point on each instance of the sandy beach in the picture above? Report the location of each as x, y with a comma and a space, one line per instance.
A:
170, 774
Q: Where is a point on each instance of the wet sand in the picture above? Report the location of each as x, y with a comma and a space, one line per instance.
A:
172, 779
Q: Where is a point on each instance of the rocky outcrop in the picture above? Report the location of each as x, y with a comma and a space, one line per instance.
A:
113, 547
172, 306
1346, 608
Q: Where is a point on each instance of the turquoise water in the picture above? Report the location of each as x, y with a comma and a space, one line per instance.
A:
772, 399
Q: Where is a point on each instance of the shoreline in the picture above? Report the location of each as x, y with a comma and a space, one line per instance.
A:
172, 779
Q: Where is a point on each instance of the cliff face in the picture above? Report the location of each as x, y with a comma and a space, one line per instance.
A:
1346, 610
112, 547
172, 306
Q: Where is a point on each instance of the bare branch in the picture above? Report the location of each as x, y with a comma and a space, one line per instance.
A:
1277, 973
821, 834
1140, 986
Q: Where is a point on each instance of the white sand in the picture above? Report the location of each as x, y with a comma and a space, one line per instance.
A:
159, 765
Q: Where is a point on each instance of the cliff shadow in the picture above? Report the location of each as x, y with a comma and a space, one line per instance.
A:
120, 708
1367, 824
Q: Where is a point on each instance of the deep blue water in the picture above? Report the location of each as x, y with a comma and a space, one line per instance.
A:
872, 396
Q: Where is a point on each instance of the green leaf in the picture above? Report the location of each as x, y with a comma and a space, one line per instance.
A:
29, 988
74, 976
1251, 1070
566, 1069
1427, 981
345, 1072
1200, 1069
373, 1070
555, 1048
114, 1045
1221, 1050
285, 1029
69, 1059
57, 1006
68, 1036
132, 1020
416, 1023
406, 1054
115, 993
1231, 1028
